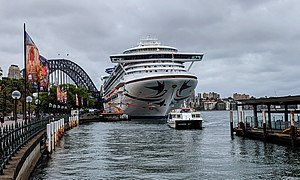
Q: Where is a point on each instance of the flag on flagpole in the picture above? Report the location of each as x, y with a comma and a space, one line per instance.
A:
44, 74
77, 103
33, 64
58, 94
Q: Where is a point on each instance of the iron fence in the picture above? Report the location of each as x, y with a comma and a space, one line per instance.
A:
14, 136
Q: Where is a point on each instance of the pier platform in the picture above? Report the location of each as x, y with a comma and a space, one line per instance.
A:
272, 136
265, 125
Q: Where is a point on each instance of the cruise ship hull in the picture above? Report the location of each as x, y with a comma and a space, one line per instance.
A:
151, 97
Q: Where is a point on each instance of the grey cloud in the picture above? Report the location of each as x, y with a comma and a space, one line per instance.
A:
249, 46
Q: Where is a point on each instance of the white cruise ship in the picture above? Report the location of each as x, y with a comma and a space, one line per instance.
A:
149, 80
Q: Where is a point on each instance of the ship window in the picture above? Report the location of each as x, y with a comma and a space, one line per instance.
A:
155, 70
178, 115
166, 70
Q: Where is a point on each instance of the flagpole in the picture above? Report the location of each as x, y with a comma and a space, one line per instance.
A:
25, 78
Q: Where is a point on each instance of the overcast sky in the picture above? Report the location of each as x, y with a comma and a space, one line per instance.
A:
250, 47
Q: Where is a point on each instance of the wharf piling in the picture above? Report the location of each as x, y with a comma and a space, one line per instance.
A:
231, 123
260, 125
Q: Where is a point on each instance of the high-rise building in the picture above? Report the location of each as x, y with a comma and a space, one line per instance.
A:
14, 72
211, 95
237, 96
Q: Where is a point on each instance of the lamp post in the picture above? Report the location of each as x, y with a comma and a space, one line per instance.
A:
15, 95
66, 109
2, 105
28, 100
58, 109
37, 102
50, 106
54, 109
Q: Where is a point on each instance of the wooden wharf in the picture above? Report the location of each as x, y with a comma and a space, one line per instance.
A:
287, 105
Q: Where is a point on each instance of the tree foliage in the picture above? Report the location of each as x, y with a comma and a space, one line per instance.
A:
7, 86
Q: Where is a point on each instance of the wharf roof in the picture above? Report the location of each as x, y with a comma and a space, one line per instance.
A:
289, 100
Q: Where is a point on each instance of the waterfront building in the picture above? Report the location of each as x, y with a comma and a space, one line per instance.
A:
221, 106
209, 105
14, 72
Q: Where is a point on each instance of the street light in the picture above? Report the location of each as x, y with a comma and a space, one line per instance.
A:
37, 102
28, 100
54, 109
58, 109
15, 95
50, 106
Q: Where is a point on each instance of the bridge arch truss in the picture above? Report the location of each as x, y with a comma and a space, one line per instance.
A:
59, 68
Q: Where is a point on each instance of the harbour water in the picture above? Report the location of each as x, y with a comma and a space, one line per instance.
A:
143, 150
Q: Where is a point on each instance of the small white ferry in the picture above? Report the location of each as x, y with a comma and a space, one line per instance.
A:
185, 118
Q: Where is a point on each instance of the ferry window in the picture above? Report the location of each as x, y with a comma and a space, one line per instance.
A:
166, 70
197, 115
178, 115
155, 70
146, 71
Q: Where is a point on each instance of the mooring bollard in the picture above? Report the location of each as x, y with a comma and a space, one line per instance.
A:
52, 136
264, 124
231, 122
49, 137
56, 132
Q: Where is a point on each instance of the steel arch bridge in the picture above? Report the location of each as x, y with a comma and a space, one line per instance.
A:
75, 72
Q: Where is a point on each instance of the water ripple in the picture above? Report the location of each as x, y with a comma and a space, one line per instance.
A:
143, 150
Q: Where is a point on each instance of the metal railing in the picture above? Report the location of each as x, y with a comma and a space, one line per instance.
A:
277, 122
14, 136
